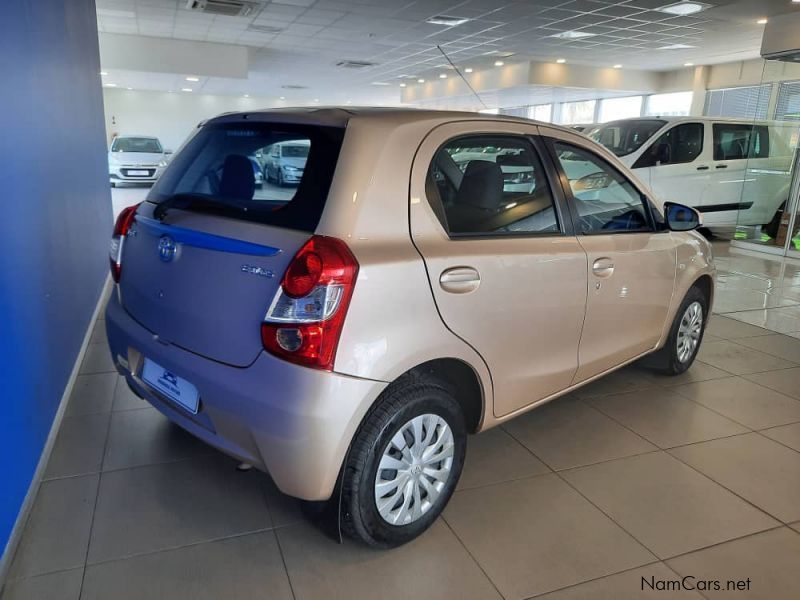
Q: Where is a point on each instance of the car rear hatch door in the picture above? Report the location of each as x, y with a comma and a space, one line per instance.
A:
209, 247
205, 283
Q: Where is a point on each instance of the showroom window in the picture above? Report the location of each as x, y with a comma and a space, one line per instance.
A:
612, 109
681, 144
491, 184
605, 201
517, 111
788, 106
577, 113
541, 112
751, 102
674, 104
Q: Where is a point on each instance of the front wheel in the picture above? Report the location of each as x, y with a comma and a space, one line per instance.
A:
279, 178
403, 464
685, 335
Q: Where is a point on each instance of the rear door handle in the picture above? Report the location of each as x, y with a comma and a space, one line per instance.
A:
460, 280
702, 168
603, 267
721, 167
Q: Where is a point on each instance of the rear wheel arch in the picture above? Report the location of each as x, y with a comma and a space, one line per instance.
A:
460, 379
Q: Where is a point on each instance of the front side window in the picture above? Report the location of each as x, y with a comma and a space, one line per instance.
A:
681, 144
627, 136
736, 141
490, 185
604, 200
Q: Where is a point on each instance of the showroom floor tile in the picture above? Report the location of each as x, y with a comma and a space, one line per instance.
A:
770, 560
575, 500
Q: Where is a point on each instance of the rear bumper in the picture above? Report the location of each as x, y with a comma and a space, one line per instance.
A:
293, 422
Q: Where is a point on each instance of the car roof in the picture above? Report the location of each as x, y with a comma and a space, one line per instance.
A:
339, 116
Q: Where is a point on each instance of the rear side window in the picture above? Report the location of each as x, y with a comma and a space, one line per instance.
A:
735, 141
490, 184
681, 144
278, 174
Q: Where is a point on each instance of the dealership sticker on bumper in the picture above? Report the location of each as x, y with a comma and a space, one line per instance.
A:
174, 387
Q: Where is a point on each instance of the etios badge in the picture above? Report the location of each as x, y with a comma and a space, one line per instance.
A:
167, 248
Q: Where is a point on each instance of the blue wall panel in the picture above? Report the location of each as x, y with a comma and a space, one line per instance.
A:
55, 220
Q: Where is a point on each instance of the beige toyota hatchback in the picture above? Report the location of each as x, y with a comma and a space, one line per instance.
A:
432, 274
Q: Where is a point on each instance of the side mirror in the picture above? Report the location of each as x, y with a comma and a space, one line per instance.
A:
680, 217
168, 151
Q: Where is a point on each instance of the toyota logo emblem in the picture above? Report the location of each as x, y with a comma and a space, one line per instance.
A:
167, 248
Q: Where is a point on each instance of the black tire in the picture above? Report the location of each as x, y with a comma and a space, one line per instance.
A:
771, 228
666, 359
406, 399
113, 184
279, 178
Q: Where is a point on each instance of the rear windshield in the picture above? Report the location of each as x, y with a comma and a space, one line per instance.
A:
134, 144
273, 173
624, 137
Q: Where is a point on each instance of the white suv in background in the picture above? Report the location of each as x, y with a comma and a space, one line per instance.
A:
136, 159
735, 172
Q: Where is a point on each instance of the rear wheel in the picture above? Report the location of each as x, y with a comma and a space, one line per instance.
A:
113, 184
771, 228
404, 464
685, 336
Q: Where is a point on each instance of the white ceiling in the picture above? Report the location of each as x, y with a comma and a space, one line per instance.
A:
298, 42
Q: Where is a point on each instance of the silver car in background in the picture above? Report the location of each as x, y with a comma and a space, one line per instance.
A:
136, 159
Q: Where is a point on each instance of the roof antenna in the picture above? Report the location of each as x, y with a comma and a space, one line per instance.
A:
460, 74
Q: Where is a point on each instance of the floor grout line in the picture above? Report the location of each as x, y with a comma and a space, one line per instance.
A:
469, 553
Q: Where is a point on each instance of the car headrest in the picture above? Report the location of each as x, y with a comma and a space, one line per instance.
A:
482, 185
238, 180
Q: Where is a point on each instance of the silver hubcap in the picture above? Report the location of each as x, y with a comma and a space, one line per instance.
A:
689, 331
414, 469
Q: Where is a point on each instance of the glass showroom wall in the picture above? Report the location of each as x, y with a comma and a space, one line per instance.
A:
755, 159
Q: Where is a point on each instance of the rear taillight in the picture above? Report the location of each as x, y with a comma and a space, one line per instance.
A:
121, 227
306, 317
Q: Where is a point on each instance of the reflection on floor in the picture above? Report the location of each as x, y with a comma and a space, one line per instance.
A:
759, 289
634, 476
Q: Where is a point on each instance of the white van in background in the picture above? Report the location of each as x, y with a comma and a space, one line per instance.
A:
735, 172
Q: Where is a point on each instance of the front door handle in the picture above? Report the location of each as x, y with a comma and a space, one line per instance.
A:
702, 168
721, 167
460, 280
603, 267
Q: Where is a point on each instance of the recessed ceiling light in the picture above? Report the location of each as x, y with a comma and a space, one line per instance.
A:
192, 79
380, 83
617, 66
186, 89
403, 85
283, 97
675, 47
573, 35
103, 73
684, 8
446, 20
442, 75
762, 21
561, 61
130, 88
109, 85
420, 80
468, 70
349, 101
498, 63
316, 99
246, 96
691, 64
